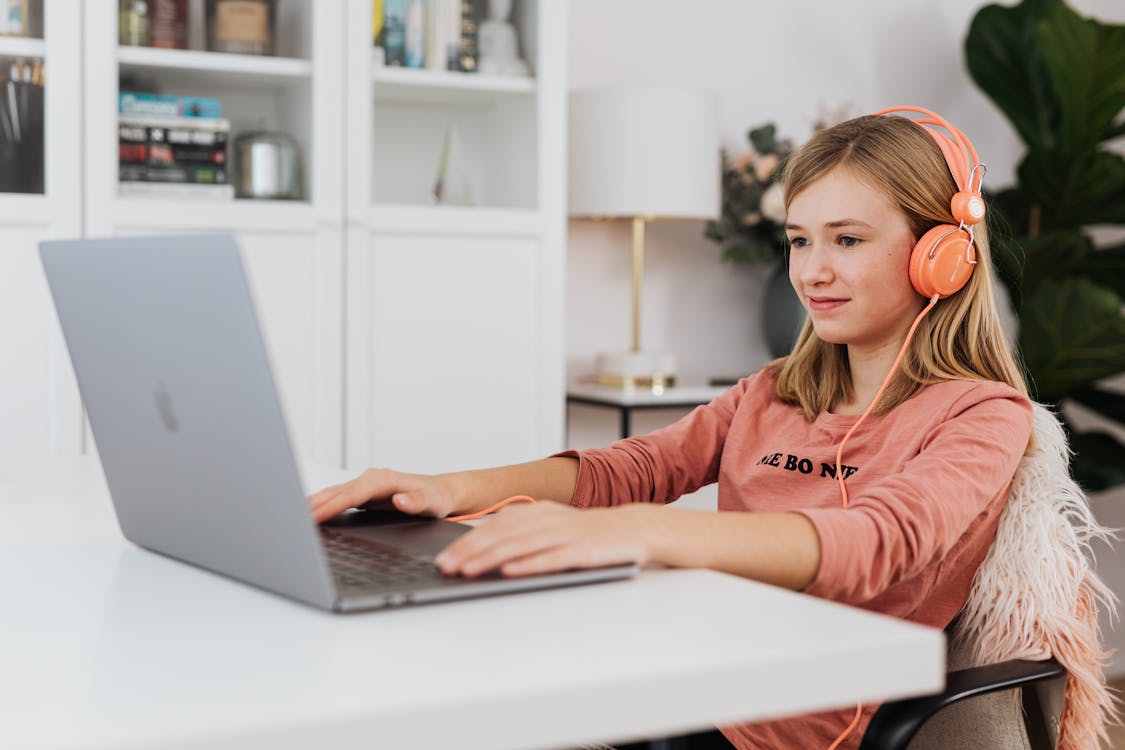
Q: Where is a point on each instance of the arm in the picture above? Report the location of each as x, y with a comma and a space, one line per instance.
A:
776, 548
449, 494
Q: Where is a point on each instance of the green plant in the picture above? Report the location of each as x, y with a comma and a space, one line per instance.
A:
1059, 78
750, 227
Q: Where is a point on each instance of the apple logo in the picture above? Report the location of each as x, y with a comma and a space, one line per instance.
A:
164, 407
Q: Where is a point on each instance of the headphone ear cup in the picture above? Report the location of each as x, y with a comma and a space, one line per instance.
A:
942, 261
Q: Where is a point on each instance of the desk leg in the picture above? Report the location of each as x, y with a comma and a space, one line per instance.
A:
626, 422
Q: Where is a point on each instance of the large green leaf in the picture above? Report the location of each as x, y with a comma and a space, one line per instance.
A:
1107, 403
1099, 460
1074, 191
1107, 267
1086, 62
1003, 58
1052, 256
1071, 334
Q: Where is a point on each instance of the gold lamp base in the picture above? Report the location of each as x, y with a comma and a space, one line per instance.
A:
637, 371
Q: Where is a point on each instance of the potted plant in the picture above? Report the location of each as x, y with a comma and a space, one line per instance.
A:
1059, 78
751, 228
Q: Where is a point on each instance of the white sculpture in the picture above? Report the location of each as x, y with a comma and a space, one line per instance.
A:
499, 47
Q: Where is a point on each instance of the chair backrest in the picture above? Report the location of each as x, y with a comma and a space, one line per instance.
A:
1009, 720
1036, 595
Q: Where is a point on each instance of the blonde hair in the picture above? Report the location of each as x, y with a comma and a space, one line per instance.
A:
961, 338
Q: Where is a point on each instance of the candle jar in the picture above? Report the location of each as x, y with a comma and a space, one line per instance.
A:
246, 27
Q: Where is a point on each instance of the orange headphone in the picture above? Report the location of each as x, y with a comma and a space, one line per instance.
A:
943, 258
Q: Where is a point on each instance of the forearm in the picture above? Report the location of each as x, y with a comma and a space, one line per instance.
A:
546, 479
782, 549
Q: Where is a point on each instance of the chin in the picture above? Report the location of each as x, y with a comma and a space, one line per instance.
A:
830, 334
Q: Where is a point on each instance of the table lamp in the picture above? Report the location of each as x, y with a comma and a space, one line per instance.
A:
642, 154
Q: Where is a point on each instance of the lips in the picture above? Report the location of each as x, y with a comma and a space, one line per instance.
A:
823, 304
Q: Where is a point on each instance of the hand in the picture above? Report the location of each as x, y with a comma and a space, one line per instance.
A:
529, 539
410, 493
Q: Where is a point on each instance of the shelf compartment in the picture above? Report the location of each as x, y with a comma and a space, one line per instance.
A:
24, 209
214, 68
412, 86
454, 220
22, 47
160, 213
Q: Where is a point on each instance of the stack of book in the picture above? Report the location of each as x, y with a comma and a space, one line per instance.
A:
431, 34
172, 146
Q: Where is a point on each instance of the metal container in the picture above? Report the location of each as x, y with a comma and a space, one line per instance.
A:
266, 165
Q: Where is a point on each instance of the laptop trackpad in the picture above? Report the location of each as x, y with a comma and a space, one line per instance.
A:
417, 535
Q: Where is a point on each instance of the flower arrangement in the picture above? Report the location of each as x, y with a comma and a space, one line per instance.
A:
751, 228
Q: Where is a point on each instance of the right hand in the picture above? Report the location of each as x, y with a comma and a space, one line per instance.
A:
410, 493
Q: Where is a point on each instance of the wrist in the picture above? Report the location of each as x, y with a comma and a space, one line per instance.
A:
649, 531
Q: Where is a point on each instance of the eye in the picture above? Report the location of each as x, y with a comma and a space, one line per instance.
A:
849, 241
798, 242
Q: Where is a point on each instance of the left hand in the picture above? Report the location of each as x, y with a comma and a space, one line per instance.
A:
525, 540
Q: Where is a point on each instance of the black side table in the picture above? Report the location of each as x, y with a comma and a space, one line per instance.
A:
626, 402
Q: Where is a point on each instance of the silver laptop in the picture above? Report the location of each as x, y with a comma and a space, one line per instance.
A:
177, 384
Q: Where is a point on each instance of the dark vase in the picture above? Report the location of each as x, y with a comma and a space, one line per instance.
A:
782, 313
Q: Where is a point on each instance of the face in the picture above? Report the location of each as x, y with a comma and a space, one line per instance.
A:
849, 261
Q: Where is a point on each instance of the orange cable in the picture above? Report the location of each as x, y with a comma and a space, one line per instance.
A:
840, 474
491, 508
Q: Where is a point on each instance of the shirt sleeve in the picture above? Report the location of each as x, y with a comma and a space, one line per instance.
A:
893, 530
663, 465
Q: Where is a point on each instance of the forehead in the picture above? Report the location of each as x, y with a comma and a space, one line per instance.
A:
840, 193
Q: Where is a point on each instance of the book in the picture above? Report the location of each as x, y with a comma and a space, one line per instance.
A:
176, 190
468, 50
138, 104
178, 150
415, 34
394, 32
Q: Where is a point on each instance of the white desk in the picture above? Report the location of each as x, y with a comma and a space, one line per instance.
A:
109, 646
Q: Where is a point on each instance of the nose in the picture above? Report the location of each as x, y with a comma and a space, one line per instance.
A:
812, 268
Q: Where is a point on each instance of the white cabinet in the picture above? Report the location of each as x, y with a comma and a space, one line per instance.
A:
454, 337
401, 333
39, 406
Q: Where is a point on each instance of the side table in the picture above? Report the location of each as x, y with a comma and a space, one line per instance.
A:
628, 401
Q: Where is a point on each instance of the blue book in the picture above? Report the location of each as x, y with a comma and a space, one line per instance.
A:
166, 105
394, 31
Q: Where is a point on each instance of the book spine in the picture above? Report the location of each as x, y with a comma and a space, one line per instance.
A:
136, 104
185, 150
415, 34
467, 52
394, 31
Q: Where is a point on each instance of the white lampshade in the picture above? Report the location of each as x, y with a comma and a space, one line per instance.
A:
644, 152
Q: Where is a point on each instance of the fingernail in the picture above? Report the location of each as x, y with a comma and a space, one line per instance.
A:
403, 502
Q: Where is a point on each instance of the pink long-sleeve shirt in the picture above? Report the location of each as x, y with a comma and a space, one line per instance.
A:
926, 485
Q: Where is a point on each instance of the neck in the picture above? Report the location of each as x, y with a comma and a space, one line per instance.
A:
869, 366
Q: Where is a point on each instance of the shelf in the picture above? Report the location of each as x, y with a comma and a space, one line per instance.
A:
412, 86
142, 212
444, 220
14, 46
24, 209
214, 68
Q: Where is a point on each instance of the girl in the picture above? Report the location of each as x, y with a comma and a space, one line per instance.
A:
842, 472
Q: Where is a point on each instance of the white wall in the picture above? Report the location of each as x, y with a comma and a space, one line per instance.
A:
780, 61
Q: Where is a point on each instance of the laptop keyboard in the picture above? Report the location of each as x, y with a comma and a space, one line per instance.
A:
361, 562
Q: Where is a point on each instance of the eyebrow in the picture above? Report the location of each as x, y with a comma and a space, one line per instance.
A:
837, 223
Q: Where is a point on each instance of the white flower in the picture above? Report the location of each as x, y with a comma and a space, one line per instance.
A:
773, 203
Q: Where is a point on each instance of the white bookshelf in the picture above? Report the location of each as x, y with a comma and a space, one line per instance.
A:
217, 70
410, 86
21, 47
40, 411
454, 342
402, 332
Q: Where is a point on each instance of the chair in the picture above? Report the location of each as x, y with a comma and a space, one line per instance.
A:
1034, 593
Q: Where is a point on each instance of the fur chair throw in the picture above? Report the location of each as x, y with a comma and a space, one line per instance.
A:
1036, 593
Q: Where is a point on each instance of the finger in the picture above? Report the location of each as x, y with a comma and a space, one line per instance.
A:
545, 561
320, 496
487, 547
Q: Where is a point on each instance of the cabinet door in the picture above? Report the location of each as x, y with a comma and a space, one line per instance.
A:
453, 352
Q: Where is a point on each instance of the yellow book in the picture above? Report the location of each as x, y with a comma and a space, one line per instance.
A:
377, 23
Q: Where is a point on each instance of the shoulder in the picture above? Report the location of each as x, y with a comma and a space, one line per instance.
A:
993, 407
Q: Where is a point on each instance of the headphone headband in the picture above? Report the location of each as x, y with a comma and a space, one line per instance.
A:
960, 155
